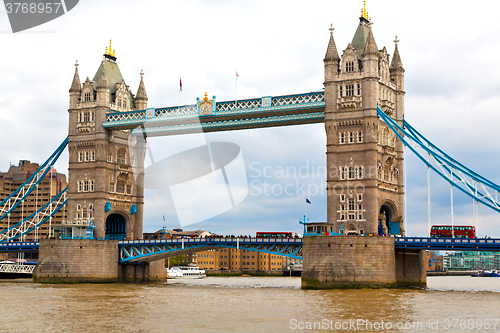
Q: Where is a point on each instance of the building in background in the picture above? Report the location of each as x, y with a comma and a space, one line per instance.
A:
471, 261
50, 186
434, 262
226, 258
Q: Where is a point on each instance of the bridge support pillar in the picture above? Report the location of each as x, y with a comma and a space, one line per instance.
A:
85, 260
359, 262
411, 268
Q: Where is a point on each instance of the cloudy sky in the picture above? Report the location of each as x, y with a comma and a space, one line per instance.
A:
448, 49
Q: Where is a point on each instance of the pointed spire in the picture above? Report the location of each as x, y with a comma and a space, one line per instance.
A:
75, 85
141, 91
331, 52
370, 46
103, 80
396, 58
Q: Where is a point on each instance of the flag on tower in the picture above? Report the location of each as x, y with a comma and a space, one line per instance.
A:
237, 75
180, 84
307, 201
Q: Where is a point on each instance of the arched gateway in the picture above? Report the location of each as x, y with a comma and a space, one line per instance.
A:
116, 227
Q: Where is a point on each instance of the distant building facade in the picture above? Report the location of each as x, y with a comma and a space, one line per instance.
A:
471, 261
225, 258
49, 187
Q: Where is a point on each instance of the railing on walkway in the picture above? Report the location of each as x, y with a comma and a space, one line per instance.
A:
17, 268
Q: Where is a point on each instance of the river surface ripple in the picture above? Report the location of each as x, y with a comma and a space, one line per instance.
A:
247, 304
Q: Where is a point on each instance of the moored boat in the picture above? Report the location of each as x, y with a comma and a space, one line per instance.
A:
186, 272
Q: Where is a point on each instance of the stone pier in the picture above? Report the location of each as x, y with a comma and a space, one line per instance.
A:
75, 261
360, 262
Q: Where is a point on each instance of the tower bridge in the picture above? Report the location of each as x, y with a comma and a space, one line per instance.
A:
362, 107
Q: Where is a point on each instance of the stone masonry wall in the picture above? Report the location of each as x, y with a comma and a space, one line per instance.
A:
348, 262
72, 261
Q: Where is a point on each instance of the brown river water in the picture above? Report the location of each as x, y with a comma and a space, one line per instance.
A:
248, 304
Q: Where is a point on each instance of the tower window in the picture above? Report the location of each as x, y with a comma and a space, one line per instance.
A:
351, 137
120, 156
120, 186
87, 97
340, 88
359, 89
342, 137
111, 187
110, 157
349, 66
360, 136
360, 172
86, 117
352, 175
349, 90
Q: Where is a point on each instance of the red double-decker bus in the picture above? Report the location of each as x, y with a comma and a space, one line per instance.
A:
459, 231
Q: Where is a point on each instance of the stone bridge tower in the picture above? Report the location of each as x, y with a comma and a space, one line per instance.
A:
364, 158
101, 184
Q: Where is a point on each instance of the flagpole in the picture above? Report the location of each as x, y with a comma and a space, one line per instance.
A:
236, 89
180, 89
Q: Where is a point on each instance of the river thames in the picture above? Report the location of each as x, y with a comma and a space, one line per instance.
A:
248, 304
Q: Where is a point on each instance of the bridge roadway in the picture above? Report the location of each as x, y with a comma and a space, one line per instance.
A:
136, 251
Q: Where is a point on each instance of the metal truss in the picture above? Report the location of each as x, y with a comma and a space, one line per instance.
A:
174, 111
20, 194
458, 175
299, 99
16, 268
36, 219
230, 115
151, 250
450, 244
238, 105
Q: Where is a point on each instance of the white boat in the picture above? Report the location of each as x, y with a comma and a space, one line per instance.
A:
174, 273
186, 272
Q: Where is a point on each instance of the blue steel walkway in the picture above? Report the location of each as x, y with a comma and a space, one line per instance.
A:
448, 244
150, 250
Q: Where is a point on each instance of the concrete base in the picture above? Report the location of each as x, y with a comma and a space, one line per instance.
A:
74, 261
359, 262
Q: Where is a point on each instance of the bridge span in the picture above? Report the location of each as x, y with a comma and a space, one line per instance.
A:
134, 251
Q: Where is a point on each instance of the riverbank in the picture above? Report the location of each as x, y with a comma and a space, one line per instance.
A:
452, 273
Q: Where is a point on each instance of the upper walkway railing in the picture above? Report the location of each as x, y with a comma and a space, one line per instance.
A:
222, 116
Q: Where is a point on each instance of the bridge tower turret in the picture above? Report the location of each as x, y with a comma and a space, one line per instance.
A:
102, 188
364, 159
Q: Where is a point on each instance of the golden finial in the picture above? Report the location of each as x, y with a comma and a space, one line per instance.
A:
331, 29
109, 50
142, 72
364, 13
206, 97
396, 40
76, 64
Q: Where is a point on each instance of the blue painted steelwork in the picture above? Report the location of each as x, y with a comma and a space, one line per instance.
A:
450, 244
19, 246
232, 115
150, 250
21, 193
458, 175
35, 220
